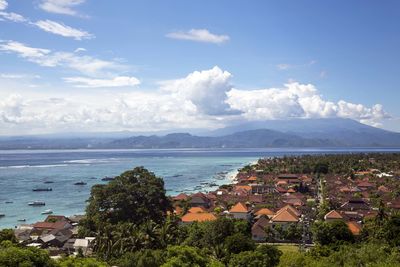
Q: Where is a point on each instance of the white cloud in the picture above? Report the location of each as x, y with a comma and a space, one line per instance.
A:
14, 17
65, 7
199, 35
18, 76
206, 89
120, 81
3, 4
297, 100
202, 99
63, 30
80, 49
45, 57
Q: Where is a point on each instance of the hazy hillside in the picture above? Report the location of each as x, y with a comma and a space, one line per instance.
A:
284, 133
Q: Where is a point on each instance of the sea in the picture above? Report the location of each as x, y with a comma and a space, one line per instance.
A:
183, 170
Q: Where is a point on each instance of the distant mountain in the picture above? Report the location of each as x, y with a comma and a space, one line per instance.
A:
279, 133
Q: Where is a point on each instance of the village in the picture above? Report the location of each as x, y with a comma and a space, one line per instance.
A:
280, 207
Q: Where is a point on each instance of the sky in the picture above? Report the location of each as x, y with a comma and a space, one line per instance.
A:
99, 66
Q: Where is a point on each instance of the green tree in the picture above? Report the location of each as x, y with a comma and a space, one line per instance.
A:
135, 196
238, 242
264, 255
185, 256
81, 262
13, 256
331, 233
7, 235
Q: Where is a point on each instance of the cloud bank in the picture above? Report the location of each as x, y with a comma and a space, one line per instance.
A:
202, 99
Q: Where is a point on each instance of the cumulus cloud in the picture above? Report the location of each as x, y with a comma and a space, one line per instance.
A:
3, 4
119, 81
297, 100
206, 89
199, 35
45, 57
63, 30
202, 99
65, 7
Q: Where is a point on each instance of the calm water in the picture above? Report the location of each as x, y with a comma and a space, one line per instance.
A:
182, 170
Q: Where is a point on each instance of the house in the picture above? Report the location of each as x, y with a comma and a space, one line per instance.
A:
258, 230
198, 217
180, 197
333, 215
355, 204
265, 212
199, 200
286, 215
261, 188
239, 211
82, 244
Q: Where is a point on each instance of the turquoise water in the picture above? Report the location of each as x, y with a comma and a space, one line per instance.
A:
183, 171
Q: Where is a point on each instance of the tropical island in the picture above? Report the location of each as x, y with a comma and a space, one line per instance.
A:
320, 210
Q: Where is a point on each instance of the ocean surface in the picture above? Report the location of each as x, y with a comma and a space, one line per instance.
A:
183, 170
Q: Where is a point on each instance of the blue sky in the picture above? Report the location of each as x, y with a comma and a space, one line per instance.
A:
85, 65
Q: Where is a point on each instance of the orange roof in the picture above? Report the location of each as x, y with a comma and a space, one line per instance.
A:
196, 210
354, 227
292, 209
291, 190
239, 208
198, 217
285, 215
265, 211
245, 187
252, 178
281, 182
333, 214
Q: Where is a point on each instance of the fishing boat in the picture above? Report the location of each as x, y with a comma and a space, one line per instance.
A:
47, 212
37, 203
2, 215
80, 183
42, 189
48, 182
21, 220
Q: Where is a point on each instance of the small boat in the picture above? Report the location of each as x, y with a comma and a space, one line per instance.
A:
80, 183
21, 220
107, 178
48, 182
42, 189
47, 212
2, 215
9, 202
177, 175
37, 203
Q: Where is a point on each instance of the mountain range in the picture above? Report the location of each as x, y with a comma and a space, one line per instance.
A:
262, 134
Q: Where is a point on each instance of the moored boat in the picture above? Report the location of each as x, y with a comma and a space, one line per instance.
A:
37, 203
47, 212
80, 183
42, 189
